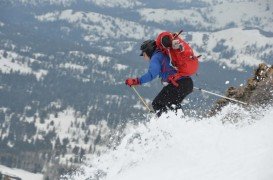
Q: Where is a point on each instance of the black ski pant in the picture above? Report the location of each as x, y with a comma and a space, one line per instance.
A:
170, 97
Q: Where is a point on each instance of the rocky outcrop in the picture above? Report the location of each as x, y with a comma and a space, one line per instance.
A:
257, 91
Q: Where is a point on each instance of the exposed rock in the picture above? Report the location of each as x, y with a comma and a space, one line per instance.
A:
257, 91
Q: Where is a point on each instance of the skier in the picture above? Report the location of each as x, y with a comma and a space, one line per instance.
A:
171, 96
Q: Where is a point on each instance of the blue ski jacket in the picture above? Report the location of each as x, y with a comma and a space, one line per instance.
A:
159, 66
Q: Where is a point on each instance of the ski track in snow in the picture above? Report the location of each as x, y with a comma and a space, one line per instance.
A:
174, 148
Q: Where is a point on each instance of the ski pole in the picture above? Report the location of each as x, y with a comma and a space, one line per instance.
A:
139, 96
175, 36
225, 97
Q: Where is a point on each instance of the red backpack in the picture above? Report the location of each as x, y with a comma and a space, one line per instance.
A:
180, 53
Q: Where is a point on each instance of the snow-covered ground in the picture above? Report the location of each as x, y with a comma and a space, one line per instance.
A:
234, 46
116, 3
24, 175
175, 148
13, 62
68, 124
243, 48
216, 16
97, 26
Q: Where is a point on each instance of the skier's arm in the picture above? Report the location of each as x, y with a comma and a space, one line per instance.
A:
153, 71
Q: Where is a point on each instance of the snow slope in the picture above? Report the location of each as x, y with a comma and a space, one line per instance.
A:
97, 26
173, 148
25, 175
116, 3
235, 47
216, 16
14, 62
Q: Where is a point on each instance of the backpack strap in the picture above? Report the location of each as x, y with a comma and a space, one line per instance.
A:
164, 66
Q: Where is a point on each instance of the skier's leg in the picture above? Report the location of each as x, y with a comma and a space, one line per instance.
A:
170, 97
159, 103
179, 93
184, 89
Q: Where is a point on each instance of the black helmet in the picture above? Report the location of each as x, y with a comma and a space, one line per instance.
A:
148, 47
